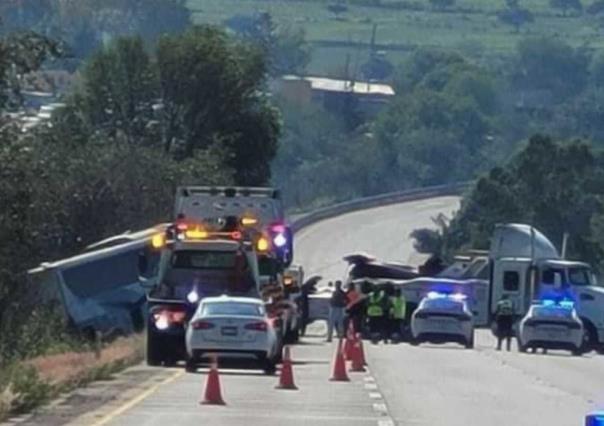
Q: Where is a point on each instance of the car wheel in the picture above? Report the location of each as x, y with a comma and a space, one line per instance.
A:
190, 366
269, 367
577, 352
414, 341
470, 344
589, 338
521, 348
155, 351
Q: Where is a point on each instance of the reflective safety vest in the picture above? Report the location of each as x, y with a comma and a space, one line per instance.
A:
399, 307
505, 307
374, 307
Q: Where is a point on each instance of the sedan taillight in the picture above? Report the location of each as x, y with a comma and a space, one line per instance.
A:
257, 326
202, 325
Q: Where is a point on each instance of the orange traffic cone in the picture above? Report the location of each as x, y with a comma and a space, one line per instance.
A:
361, 350
358, 364
212, 394
339, 366
349, 342
286, 378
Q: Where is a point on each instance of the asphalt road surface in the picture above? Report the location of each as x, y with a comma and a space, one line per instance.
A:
429, 385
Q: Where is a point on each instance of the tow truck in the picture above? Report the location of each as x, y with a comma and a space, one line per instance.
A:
198, 259
260, 210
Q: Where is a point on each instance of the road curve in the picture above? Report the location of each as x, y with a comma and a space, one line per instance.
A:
381, 231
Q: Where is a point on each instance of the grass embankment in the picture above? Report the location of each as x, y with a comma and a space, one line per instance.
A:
28, 384
471, 27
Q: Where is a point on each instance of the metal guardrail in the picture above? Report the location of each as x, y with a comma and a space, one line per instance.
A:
378, 201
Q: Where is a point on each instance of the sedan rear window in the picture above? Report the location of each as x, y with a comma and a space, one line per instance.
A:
552, 311
232, 308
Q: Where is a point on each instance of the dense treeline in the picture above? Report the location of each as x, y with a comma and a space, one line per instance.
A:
140, 123
556, 186
451, 120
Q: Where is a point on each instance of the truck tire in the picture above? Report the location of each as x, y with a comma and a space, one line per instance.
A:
155, 352
590, 337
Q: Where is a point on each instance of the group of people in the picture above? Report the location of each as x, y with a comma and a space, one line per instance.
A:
383, 311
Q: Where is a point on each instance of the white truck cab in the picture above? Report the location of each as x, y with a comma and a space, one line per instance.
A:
525, 266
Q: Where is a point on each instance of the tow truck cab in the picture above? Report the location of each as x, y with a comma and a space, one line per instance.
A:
188, 271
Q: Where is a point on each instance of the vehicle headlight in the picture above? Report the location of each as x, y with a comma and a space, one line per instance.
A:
193, 296
280, 240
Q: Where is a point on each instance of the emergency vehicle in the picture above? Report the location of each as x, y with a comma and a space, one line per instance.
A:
198, 259
261, 210
524, 265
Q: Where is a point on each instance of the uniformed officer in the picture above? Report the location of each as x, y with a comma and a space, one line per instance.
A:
375, 314
504, 317
398, 310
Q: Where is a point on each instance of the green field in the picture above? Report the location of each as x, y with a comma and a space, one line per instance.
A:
470, 27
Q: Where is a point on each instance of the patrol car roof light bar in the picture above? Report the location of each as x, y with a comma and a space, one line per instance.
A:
228, 191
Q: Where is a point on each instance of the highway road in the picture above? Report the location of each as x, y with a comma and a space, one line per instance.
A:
428, 385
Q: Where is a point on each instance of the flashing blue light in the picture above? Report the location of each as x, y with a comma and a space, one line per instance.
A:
435, 295
548, 302
595, 419
567, 304
459, 296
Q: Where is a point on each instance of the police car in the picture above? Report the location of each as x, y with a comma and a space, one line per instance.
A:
232, 327
551, 325
442, 317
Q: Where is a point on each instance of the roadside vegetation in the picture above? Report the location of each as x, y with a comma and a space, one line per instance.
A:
159, 102
137, 124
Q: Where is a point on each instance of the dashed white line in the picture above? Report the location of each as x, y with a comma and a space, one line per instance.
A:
375, 395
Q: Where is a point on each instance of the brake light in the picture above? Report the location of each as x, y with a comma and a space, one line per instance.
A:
202, 325
257, 326
236, 235
163, 318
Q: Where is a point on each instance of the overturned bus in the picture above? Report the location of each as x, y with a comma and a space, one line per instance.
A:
99, 291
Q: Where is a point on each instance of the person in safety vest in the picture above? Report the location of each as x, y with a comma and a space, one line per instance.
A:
376, 315
504, 318
398, 311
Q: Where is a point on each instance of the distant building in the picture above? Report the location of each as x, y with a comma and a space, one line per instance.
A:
370, 97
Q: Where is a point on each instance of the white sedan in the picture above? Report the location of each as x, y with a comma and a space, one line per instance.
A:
441, 318
232, 327
550, 325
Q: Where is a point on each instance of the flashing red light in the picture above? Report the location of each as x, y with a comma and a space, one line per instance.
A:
278, 228
236, 235
181, 226
257, 326
202, 325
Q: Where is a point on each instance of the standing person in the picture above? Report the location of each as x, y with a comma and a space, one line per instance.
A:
352, 297
375, 315
504, 317
398, 311
337, 305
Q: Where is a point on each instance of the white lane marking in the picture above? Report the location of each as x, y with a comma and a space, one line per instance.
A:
380, 407
375, 395
371, 386
385, 422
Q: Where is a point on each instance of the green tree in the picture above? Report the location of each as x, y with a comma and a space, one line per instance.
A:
213, 96
554, 186
442, 4
119, 89
515, 16
566, 5
550, 64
